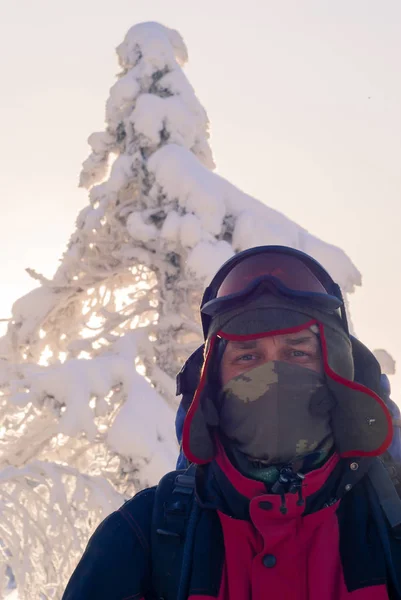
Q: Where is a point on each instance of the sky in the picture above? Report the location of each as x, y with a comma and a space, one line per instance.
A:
304, 100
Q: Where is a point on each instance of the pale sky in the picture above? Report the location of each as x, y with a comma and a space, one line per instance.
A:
304, 100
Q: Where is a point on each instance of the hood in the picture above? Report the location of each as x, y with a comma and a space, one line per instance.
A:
361, 422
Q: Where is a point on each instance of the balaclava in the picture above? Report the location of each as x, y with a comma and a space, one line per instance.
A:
302, 412
276, 413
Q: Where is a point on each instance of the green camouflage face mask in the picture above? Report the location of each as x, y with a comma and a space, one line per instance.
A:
276, 413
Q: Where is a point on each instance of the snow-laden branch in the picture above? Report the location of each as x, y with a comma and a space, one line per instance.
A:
47, 513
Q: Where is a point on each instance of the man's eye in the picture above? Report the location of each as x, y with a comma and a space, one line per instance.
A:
246, 357
299, 353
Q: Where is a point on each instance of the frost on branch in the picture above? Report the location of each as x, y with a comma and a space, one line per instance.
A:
51, 534
88, 364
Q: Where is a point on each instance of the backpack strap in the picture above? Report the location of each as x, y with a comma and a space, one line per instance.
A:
175, 515
386, 509
384, 478
188, 552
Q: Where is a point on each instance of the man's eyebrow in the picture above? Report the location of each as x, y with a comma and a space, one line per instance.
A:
299, 340
243, 345
252, 344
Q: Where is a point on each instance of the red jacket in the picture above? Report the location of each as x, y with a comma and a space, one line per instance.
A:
275, 555
245, 547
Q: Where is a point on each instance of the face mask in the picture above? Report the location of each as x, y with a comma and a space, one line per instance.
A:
276, 413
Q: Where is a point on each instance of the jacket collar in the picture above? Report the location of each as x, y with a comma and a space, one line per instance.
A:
222, 487
314, 480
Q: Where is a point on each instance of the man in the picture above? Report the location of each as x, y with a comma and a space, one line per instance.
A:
288, 499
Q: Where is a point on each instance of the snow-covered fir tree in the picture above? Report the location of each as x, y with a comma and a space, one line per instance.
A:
88, 362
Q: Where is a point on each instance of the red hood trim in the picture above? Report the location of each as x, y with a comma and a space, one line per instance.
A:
195, 402
329, 372
333, 375
250, 488
194, 405
353, 385
232, 337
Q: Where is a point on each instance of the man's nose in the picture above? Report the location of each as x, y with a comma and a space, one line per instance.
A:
272, 356
272, 350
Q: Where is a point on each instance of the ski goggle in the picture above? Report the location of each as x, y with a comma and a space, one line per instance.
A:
275, 269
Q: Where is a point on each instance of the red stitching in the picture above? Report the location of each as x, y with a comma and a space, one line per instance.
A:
194, 405
353, 385
195, 402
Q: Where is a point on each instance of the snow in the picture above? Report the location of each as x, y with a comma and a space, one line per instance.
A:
140, 230
158, 45
273, 231
386, 361
171, 227
186, 230
206, 258
88, 364
152, 115
190, 230
121, 173
155, 445
211, 198
124, 91
31, 309
334, 260
95, 167
89, 219
77, 381
100, 141
29, 520
180, 175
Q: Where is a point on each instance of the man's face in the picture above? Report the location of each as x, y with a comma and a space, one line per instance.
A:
302, 348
